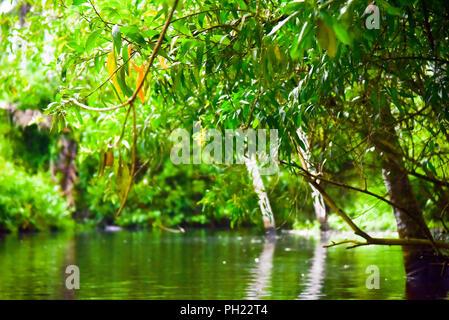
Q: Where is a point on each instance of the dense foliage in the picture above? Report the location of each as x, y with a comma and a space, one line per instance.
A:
371, 102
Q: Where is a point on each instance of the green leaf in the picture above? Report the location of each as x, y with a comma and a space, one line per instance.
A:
242, 4
98, 63
66, 66
117, 38
301, 144
78, 115
391, 10
133, 33
92, 40
301, 44
182, 27
75, 46
280, 24
341, 33
78, 2
255, 123
184, 47
201, 19
221, 39
292, 6
125, 58
199, 55
431, 167
122, 83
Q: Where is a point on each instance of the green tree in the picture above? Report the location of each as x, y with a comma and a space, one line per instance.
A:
371, 102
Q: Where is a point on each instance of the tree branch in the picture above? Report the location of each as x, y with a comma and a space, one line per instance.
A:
330, 202
429, 179
131, 101
391, 242
311, 179
133, 163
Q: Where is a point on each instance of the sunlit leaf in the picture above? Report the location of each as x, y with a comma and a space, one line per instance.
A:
111, 66
280, 24
133, 33
92, 40
162, 63
139, 80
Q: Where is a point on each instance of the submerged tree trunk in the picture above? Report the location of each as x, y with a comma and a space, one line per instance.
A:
318, 201
259, 188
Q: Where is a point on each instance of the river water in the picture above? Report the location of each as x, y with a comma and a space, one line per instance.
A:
195, 265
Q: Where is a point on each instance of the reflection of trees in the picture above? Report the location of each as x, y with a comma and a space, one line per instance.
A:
70, 259
33, 265
262, 272
316, 274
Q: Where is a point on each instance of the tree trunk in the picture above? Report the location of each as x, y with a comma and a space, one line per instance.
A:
426, 278
409, 219
66, 167
318, 202
259, 188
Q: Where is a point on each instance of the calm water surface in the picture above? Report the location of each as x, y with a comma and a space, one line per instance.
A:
195, 265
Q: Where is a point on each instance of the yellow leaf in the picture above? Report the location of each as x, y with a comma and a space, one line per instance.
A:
111, 66
122, 178
326, 38
277, 52
129, 57
150, 12
61, 38
139, 79
162, 62
135, 66
109, 158
62, 45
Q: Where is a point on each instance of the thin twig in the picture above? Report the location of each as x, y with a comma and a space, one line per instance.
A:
134, 151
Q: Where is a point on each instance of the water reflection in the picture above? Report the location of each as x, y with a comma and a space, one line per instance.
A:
205, 265
261, 284
69, 259
317, 271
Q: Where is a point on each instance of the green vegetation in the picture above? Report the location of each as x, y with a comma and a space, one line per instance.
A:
30, 202
361, 113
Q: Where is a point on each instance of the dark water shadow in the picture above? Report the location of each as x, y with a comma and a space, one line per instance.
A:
427, 275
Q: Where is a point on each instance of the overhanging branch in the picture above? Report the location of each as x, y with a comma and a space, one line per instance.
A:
390, 242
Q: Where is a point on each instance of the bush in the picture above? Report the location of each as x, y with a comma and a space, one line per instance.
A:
30, 202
